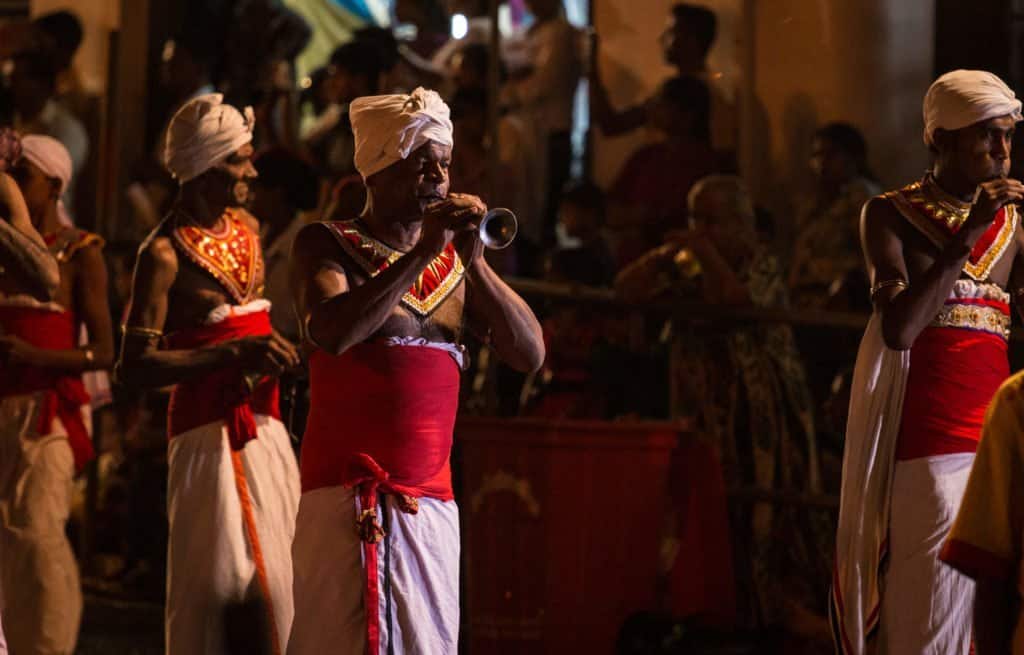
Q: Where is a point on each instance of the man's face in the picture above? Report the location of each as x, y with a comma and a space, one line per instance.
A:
233, 178
465, 74
30, 90
345, 86
713, 212
677, 43
828, 163
981, 152
38, 190
416, 182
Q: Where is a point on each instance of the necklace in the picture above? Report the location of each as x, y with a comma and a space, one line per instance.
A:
949, 209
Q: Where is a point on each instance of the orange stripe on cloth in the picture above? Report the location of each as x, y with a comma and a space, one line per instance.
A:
254, 542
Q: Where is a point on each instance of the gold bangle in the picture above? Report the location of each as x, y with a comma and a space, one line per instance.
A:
896, 282
135, 331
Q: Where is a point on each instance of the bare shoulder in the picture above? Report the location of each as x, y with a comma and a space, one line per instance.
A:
880, 215
157, 255
315, 243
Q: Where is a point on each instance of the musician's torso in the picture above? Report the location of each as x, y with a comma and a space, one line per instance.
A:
218, 266
432, 310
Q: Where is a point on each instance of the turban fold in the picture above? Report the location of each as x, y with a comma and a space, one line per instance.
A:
203, 133
965, 97
388, 128
51, 157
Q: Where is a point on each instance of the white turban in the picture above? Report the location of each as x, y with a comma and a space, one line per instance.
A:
962, 97
51, 157
388, 128
202, 133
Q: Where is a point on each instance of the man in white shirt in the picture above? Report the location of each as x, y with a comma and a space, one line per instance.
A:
543, 94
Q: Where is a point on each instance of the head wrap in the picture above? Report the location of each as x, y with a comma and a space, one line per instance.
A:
963, 97
51, 157
203, 133
388, 128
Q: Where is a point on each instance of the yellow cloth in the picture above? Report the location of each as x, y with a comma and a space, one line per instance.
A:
987, 539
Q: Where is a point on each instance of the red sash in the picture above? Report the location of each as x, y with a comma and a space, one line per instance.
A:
222, 395
394, 404
381, 420
65, 393
954, 373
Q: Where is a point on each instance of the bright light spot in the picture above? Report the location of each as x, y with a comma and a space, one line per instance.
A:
460, 26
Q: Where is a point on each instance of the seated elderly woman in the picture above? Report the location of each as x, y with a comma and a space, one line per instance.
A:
745, 386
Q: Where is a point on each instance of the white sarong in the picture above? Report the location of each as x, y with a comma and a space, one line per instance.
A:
927, 606
39, 582
869, 458
418, 577
211, 564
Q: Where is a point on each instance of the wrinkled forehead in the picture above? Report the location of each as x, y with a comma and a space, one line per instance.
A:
432, 151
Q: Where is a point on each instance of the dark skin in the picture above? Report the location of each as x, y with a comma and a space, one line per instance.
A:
170, 293
973, 158
82, 289
409, 208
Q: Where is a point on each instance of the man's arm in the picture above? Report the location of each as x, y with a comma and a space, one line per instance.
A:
23, 254
602, 112
91, 294
142, 362
514, 330
906, 311
336, 315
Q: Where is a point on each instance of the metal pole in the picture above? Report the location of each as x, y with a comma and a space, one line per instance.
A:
493, 103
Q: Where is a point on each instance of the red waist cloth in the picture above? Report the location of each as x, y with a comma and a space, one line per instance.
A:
382, 414
221, 395
381, 419
954, 373
65, 393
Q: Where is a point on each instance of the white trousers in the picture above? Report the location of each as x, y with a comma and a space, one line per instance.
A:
927, 607
418, 577
39, 582
212, 564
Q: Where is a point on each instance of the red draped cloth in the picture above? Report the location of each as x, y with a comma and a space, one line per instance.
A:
394, 404
64, 392
223, 394
702, 582
954, 373
381, 420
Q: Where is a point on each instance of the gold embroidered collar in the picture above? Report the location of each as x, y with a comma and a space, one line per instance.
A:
232, 256
434, 284
939, 216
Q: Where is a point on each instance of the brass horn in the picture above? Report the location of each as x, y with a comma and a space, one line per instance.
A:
498, 228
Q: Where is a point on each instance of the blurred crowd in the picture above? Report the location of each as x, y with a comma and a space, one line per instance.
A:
677, 223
